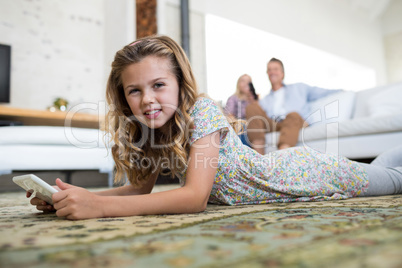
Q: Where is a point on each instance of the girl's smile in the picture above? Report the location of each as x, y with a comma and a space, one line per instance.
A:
151, 91
151, 114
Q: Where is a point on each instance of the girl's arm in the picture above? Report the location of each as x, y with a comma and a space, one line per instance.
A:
131, 190
77, 203
122, 191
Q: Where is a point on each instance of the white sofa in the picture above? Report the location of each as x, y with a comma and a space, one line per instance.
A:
358, 125
38, 148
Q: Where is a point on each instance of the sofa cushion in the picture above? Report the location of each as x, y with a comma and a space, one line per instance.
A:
357, 147
54, 157
364, 97
354, 127
386, 102
47, 135
333, 108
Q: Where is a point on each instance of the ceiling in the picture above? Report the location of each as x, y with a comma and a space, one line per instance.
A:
374, 8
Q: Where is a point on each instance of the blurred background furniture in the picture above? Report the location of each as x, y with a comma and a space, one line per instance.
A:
358, 125
52, 141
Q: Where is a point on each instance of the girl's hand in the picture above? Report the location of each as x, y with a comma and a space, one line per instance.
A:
76, 203
40, 204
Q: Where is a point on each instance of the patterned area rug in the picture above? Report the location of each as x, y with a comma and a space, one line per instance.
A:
360, 232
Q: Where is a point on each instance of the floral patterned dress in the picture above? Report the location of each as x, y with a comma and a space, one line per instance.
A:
295, 174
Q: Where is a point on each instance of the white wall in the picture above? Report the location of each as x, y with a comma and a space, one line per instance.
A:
392, 30
169, 24
119, 29
328, 25
392, 18
62, 48
234, 49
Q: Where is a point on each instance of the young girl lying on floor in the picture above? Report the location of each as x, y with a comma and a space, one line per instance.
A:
159, 123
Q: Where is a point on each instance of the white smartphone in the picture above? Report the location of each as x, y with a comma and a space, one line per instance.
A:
37, 186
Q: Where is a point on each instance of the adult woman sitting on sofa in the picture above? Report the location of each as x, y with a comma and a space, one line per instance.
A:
236, 104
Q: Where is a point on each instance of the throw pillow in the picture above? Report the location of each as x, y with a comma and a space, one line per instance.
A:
333, 108
386, 102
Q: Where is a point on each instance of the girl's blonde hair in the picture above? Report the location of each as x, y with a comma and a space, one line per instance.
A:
137, 150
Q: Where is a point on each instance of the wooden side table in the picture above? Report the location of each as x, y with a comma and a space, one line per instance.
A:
30, 117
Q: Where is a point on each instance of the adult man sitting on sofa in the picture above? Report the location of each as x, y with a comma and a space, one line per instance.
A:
284, 109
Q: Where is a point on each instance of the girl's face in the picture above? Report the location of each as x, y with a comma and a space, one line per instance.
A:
151, 91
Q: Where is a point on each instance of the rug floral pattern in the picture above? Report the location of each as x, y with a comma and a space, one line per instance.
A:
361, 232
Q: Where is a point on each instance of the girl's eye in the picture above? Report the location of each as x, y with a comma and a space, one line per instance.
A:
158, 85
133, 91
